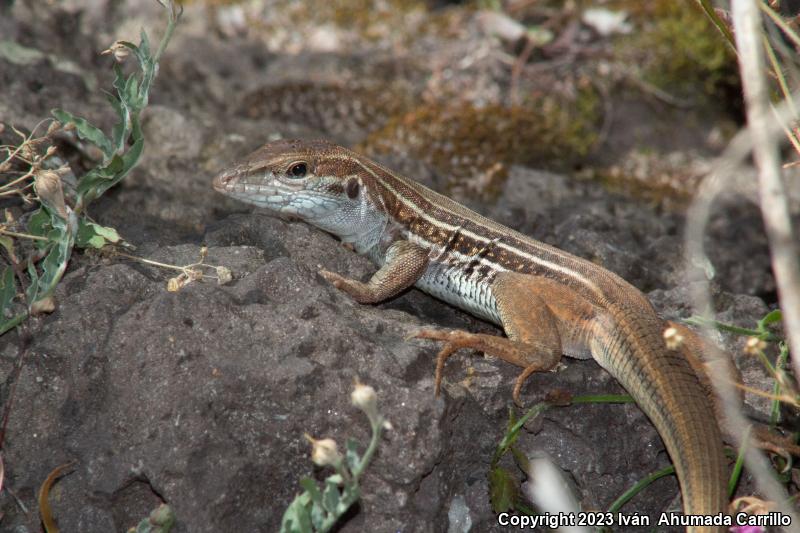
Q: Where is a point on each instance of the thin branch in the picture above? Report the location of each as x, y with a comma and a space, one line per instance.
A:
728, 170
774, 206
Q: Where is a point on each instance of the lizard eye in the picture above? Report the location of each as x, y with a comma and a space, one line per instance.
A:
298, 170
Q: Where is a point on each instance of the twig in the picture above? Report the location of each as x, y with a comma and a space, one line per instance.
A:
724, 178
22, 235
519, 64
774, 207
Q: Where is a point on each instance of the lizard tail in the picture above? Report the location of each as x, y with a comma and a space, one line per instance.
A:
667, 389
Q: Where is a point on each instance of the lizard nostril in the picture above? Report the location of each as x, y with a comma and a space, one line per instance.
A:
221, 181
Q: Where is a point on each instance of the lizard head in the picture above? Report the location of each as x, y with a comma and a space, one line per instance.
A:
315, 181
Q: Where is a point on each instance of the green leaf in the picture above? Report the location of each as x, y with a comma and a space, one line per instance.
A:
318, 516
351, 455
39, 223
132, 90
295, 518
54, 264
7, 243
85, 130
350, 495
330, 497
8, 289
503, 490
521, 459
312, 489
144, 45
33, 288
772, 317
94, 235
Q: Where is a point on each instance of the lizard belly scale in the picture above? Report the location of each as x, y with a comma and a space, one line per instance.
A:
467, 291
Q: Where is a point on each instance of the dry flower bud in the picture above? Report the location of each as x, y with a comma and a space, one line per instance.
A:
224, 275
63, 170
70, 126
48, 188
174, 284
364, 397
672, 338
27, 152
53, 127
203, 253
43, 306
119, 50
50, 151
324, 452
754, 345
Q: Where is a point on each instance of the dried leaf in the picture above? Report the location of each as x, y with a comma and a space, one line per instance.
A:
45, 513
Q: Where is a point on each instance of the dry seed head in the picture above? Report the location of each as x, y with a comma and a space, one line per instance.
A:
754, 345
27, 151
364, 397
119, 50
224, 275
324, 452
53, 127
63, 170
43, 306
48, 187
673, 339
174, 284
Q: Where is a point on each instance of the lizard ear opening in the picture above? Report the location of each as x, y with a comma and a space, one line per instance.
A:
351, 188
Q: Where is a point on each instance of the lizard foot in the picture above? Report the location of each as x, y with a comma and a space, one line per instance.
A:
454, 340
333, 278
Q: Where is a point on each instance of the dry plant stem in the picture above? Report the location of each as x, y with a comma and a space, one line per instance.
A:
728, 168
774, 207
21, 235
183, 269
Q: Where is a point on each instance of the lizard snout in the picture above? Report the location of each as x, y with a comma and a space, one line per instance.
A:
223, 181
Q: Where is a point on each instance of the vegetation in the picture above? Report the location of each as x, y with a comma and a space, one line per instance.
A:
319, 510
62, 221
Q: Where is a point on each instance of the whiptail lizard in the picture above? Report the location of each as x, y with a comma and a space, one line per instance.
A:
547, 301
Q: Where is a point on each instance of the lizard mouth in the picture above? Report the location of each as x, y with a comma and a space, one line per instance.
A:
263, 190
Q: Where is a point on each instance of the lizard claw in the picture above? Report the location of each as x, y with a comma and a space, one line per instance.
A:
453, 340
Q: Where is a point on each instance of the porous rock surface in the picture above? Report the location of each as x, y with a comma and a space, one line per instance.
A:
200, 398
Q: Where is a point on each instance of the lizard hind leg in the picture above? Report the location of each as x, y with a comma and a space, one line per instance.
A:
533, 341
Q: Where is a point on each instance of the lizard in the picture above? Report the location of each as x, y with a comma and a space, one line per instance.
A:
548, 302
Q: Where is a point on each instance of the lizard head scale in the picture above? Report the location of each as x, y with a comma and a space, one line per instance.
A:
315, 181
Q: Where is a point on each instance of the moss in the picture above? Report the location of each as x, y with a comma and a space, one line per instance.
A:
473, 147
680, 49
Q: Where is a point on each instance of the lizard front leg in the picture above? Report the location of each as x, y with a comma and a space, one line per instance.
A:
535, 342
404, 265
